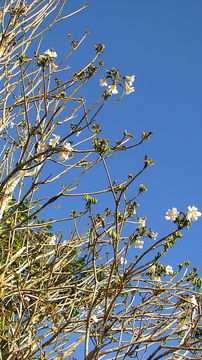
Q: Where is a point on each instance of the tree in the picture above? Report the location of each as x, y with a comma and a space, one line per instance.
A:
58, 295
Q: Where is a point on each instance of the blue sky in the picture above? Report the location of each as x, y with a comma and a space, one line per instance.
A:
160, 42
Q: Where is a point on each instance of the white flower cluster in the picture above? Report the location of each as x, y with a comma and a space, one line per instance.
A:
51, 53
99, 312
128, 82
55, 141
123, 260
139, 244
154, 276
128, 85
53, 240
169, 270
192, 215
142, 222
66, 148
47, 58
65, 153
112, 88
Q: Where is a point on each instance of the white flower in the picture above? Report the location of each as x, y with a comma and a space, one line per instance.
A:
68, 147
157, 278
94, 318
130, 79
193, 213
12, 124
169, 270
171, 214
53, 240
50, 53
128, 89
41, 146
194, 301
54, 142
26, 298
113, 89
123, 261
64, 156
154, 235
141, 222
103, 82
139, 244
66, 150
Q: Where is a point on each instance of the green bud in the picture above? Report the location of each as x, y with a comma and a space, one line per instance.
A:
101, 146
106, 94
43, 61
142, 188
22, 58
89, 201
178, 234
101, 62
92, 69
146, 135
112, 234
74, 44
120, 187
96, 128
148, 162
99, 48
126, 133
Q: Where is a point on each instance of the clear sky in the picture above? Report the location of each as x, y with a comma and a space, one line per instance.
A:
161, 43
